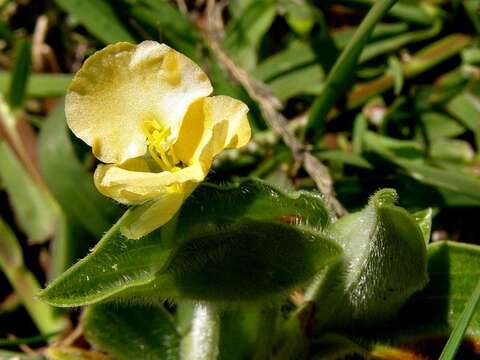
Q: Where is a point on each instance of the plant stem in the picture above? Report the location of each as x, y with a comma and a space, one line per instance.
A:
266, 333
205, 333
339, 77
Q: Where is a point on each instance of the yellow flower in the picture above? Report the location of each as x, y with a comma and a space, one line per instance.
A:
144, 111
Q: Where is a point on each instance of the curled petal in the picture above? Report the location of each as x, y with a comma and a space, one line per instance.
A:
211, 125
121, 87
130, 186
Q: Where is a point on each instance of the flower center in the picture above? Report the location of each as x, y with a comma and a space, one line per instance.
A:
160, 149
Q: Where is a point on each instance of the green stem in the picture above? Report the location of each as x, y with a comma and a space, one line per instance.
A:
204, 334
266, 333
461, 326
339, 77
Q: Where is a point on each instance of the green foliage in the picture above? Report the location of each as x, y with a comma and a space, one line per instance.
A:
383, 264
344, 68
20, 75
434, 311
24, 282
35, 209
245, 33
398, 109
146, 331
229, 233
99, 18
40, 85
251, 260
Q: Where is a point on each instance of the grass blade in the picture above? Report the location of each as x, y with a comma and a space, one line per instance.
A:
461, 326
343, 70
99, 18
20, 74
24, 283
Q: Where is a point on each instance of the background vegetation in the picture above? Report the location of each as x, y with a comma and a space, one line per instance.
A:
407, 117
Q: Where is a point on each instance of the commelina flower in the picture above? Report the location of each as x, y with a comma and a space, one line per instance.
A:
145, 111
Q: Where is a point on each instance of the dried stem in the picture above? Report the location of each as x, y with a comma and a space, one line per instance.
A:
269, 106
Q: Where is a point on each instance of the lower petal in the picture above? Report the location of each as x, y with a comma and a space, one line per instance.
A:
147, 217
130, 186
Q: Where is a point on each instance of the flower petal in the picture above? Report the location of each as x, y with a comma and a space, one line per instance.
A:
148, 217
211, 125
127, 185
122, 86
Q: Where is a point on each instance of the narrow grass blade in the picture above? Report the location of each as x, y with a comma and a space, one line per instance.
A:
23, 282
20, 74
99, 18
343, 70
40, 85
461, 326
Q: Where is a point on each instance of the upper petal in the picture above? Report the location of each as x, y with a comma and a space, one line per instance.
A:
211, 125
123, 85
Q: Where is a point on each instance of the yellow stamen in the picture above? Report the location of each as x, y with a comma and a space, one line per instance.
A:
158, 147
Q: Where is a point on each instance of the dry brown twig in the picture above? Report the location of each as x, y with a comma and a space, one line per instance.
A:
269, 106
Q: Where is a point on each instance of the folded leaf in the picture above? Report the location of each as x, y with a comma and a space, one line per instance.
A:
383, 264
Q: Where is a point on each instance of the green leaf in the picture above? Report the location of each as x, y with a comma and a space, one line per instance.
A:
253, 260
344, 157
383, 264
471, 8
176, 28
456, 337
243, 35
436, 53
40, 85
20, 75
300, 16
218, 222
295, 56
466, 108
360, 127
417, 12
393, 148
452, 150
453, 270
36, 211
69, 181
393, 43
342, 72
439, 125
24, 282
421, 61
404, 155
99, 19
140, 332
5, 354
307, 80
